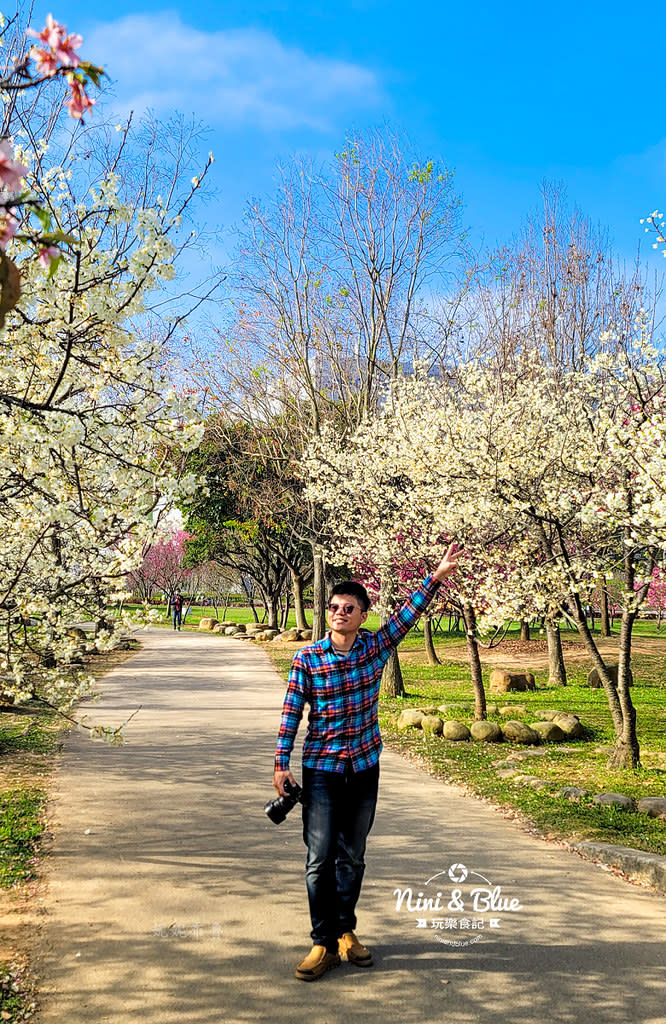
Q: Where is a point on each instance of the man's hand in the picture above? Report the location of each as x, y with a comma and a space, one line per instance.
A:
279, 779
448, 563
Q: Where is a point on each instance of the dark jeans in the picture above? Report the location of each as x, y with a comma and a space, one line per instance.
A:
338, 812
177, 617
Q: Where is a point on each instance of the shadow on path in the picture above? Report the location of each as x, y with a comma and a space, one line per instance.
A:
173, 898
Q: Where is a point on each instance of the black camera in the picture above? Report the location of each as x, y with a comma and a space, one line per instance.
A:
278, 809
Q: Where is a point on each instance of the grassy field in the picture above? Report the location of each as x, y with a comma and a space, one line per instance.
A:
198, 612
581, 763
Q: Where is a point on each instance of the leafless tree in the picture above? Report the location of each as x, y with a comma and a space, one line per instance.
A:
334, 288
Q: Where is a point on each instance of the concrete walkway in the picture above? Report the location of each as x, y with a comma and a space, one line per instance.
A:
173, 899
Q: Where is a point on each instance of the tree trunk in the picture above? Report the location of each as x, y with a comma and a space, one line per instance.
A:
557, 673
392, 682
429, 645
580, 620
627, 752
299, 606
469, 618
524, 630
272, 608
319, 592
284, 618
605, 618
250, 598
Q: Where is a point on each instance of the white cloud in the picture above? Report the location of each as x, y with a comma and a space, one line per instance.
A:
235, 77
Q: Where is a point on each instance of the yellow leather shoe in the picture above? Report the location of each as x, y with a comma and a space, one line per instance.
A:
316, 963
354, 951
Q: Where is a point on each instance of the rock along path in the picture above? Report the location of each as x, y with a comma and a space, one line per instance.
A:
172, 898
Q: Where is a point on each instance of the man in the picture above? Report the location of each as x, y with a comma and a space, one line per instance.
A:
339, 677
177, 607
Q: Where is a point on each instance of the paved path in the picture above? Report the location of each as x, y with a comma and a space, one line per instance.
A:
173, 899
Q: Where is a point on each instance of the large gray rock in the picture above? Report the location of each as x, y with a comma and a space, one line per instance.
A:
432, 725
267, 634
456, 731
533, 781
526, 755
573, 793
230, 630
615, 800
410, 718
305, 634
502, 681
289, 634
594, 679
255, 627
486, 732
549, 732
519, 732
570, 726
550, 714
653, 806
492, 709
206, 624
513, 709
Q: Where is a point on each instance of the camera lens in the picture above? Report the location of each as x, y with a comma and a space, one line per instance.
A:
278, 809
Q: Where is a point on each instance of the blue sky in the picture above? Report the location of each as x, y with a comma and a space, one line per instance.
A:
508, 94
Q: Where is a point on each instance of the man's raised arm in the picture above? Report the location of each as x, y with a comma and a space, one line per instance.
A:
402, 620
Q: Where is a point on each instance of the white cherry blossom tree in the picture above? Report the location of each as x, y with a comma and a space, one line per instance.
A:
553, 480
91, 428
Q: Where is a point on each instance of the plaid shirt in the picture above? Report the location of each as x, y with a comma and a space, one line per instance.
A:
342, 690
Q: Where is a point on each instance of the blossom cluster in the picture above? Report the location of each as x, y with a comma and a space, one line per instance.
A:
56, 55
57, 52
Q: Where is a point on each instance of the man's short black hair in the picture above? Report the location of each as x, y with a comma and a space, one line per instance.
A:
352, 589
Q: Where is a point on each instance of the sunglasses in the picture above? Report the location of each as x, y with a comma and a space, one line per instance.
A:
345, 609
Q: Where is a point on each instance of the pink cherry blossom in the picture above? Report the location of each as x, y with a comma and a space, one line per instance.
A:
48, 254
65, 50
54, 37
50, 34
11, 171
58, 48
78, 101
46, 61
8, 227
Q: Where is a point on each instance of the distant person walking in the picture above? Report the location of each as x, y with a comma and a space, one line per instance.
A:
177, 609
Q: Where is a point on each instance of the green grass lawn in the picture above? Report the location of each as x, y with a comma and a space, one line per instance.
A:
198, 612
29, 736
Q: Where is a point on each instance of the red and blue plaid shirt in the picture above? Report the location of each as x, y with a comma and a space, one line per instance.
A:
342, 689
